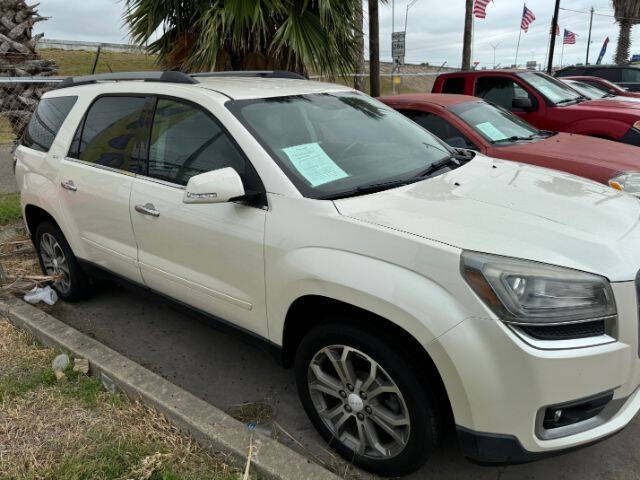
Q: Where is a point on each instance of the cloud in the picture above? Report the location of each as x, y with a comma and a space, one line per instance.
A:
434, 28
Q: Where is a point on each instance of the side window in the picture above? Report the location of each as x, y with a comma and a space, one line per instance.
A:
108, 134
611, 74
186, 141
46, 121
440, 127
631, 75
453, 85
501, 91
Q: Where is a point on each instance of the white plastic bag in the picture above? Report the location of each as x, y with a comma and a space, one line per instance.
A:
41, 294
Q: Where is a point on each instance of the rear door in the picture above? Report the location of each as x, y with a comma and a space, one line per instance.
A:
209, 256
95, 182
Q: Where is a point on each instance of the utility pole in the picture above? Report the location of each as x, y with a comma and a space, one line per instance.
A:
468, 25
374, 49
552, 45
393, 29
589, 41
494, 53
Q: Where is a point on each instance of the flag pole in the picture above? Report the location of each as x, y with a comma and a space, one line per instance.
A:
562, 52
524, 5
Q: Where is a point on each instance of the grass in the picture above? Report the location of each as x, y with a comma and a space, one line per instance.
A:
74, 429
79, 62
10, 208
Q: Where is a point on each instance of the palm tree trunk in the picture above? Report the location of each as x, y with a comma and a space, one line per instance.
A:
358, 82
466, 46
624, 41
374, 49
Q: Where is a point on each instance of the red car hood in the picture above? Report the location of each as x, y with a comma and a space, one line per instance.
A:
615, 156
611, 103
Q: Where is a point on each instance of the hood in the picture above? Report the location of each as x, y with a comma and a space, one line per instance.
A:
613, 102
516, 210
616, 156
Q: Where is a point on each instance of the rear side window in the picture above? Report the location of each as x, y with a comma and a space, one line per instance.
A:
611, 74
46, 121
440, 127
631, 75
109, 134
453, 85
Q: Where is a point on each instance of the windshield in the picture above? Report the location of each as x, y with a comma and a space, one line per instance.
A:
494, 123
333, 144
589, 91
554, 90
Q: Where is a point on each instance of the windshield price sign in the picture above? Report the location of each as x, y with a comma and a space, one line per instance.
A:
397, 47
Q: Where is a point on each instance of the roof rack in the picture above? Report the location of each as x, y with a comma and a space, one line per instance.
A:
169, 76
251, 73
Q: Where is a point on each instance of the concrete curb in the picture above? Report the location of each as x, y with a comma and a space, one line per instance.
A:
211, 427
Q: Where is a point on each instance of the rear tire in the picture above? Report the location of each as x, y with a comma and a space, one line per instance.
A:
57, 258
390, 433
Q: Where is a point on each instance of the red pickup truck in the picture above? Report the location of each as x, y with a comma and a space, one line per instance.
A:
546, 103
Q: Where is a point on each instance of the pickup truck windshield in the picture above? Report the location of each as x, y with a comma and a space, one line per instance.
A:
341, 144
554, 90
589, 91
494, 123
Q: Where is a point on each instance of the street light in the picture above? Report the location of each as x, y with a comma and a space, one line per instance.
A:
406, 14
494, 53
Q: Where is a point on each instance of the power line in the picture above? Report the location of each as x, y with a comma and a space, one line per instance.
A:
601, 14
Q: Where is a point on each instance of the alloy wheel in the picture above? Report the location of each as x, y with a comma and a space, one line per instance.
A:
55, 262
359, 402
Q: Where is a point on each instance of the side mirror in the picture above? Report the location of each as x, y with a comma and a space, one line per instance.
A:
217, 186
522, 103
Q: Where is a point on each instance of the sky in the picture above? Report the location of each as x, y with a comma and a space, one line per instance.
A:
434, 29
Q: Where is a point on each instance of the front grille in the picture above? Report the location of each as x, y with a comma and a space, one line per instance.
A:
566, 331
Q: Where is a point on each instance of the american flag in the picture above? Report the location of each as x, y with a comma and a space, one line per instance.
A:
480, 8
569, 37
527, 18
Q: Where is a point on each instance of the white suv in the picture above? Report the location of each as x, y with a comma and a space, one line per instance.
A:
411, 285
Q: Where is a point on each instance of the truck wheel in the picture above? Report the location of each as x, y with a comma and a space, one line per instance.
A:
56, 258
366, 399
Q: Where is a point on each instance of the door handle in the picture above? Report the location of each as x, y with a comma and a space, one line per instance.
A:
69, 185
147, 209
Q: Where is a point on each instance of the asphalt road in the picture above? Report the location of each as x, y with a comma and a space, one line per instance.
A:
7, 180
226, 369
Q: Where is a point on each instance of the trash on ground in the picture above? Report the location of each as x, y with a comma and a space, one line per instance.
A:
41, 294
61, 362
81, 365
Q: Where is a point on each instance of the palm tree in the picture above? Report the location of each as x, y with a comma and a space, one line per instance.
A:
202, 35
374, 49
627, 13
358, 82
18, 58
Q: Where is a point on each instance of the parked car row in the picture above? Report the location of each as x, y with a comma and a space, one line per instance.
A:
416, 284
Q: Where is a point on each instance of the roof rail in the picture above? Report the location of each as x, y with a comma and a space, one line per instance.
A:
169, 77
251, 73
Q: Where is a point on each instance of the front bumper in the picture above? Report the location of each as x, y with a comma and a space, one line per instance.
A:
498, 384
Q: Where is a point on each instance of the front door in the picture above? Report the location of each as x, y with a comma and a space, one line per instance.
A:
209, 256
95, 183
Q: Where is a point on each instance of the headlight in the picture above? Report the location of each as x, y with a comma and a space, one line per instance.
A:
626, 182
526, 292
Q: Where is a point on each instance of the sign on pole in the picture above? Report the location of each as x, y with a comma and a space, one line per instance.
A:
397, 47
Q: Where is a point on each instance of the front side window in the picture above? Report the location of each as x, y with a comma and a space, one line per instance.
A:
46, 122
109, 132
496, 125
440, 127
338, 144
186, 141
501, 91
453, 85
551, 88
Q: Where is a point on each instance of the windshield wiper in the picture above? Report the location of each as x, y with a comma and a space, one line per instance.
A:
567, 100
514, 138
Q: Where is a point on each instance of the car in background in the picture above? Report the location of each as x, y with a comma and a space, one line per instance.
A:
627, 76
468, 122
605, 85
594, 93
545, 102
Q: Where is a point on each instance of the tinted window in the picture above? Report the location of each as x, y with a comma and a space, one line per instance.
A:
440, 128
109, 134
185, 141
568, 72
631, 75
453, 85
46, 121
612, 74
501, 91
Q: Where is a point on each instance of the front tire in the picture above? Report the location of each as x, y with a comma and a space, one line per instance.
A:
363, 396
57, 258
